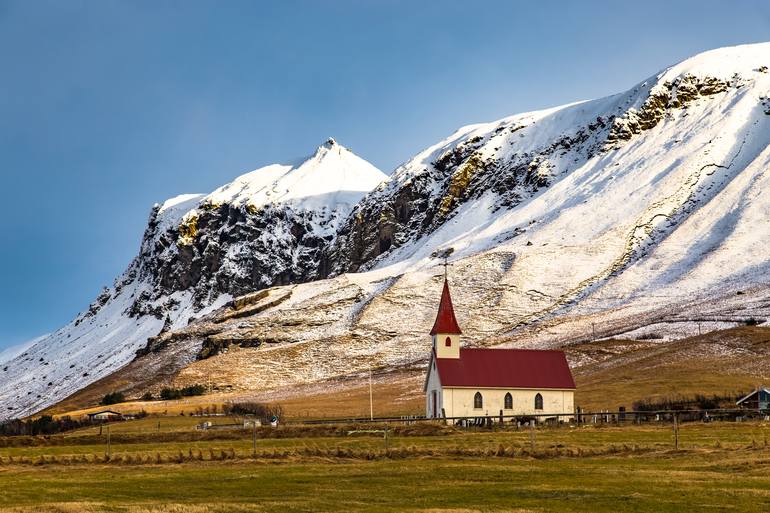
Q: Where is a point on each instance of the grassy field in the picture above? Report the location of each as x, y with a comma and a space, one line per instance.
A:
716, 481
719, 467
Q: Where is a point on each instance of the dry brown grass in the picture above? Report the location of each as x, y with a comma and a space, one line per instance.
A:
394, 395
723, 362
622, 372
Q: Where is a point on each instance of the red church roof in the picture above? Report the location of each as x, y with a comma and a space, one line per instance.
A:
506, 368
445, 320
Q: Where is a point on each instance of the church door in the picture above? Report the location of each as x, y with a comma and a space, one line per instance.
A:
434, 400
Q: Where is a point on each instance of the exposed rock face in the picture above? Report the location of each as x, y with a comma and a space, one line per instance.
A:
236, 250
507, 162
239, 239
663, 98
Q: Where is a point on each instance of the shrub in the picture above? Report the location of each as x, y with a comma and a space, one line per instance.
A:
696, 402
147, 397
259, 410
651, 336
193, 390
170, 393
43, 425
113, 398
176, 393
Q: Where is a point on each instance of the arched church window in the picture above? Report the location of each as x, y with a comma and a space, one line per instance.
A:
448, 342
478, 402
508, 401
538, 402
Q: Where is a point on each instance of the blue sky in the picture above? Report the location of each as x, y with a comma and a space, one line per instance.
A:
108, 107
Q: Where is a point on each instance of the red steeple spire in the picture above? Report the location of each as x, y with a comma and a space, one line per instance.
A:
445, 320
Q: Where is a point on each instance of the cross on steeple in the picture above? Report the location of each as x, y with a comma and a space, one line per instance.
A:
446, 265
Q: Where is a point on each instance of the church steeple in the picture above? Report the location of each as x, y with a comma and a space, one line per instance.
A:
445, 320
446, 332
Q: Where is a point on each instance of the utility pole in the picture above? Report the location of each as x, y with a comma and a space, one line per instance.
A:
371, 403
593, 331
109, 443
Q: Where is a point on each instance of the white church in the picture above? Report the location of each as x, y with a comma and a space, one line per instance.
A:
470, 383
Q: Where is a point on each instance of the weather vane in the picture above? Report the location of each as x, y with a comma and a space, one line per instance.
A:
443, 253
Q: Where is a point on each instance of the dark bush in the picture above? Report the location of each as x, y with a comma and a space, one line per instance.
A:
167, 394
176, 393
113, 398
696, 402
194, 390
44, 425
147, 397
262, 411
651, 336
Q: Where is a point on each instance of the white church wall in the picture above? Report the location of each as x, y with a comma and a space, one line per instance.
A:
458, 402
433, 384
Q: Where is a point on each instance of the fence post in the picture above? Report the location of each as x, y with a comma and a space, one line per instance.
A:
254, 438
676, 431
109, 443
532, 434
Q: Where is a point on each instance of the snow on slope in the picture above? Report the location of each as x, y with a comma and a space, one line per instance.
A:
331, 177
683, 186
195, 255
9, 353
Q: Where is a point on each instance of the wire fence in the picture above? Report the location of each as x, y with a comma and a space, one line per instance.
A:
609, 417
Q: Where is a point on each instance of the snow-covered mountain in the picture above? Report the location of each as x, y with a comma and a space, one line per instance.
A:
643, 214
641, 211
490, 182
267, 227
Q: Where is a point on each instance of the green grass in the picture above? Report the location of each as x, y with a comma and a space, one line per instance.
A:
722, 467
720, 481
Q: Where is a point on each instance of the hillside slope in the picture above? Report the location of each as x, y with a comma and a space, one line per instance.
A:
634, 214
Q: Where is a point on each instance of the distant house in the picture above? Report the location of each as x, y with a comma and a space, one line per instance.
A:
759, 399
472, 383
105, 415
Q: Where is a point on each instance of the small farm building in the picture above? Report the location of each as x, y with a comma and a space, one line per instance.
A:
105, 415
759, 399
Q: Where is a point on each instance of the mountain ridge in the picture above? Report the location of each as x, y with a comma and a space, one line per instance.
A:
641, 207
